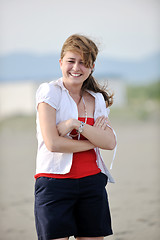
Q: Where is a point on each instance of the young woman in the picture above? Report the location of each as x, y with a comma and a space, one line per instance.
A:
72, 124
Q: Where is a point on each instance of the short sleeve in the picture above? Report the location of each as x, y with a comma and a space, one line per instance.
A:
106, 110
48, 93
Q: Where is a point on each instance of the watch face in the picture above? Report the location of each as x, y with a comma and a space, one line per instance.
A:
81, 127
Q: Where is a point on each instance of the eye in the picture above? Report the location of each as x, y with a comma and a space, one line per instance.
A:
70, 61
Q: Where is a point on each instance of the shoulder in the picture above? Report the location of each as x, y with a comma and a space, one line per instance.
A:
100, 102
48, 88
49, 92
98, 96
103, 104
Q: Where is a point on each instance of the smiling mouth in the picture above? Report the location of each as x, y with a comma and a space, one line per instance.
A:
75, 74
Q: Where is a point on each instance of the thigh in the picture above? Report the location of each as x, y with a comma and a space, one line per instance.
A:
54, 207
92, 212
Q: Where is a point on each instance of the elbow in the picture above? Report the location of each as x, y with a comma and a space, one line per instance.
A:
111, 140
114, 143
52, 146
111, 145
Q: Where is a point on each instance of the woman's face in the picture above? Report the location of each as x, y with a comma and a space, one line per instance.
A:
73, 70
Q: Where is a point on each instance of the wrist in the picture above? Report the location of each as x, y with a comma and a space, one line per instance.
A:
74, 124
80, 128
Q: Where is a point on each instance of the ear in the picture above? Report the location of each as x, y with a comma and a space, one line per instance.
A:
60, 62
92, 68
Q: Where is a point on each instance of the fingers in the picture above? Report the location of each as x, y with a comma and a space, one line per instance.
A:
62, 128
101, 122
66, 126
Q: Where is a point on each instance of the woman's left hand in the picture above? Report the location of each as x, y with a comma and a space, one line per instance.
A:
100, 134
101, 122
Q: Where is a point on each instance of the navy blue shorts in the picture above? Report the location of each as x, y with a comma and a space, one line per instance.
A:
72, 207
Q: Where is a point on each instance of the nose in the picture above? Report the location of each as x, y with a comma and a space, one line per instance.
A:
76, 66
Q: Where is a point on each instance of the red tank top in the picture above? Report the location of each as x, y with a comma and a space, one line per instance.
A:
83, 163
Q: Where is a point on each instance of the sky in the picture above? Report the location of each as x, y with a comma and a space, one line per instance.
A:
124, 29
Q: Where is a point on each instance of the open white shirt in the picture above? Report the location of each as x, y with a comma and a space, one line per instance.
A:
56, 95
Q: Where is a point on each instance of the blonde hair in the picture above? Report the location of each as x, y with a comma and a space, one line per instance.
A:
89, 51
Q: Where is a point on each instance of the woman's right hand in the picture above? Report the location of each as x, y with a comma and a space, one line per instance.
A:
67, 126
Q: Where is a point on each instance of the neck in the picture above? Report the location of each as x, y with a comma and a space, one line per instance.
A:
74, 90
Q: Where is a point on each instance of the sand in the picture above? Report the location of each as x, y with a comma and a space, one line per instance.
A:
134, 198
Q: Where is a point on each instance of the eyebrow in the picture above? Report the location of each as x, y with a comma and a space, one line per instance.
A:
70, 58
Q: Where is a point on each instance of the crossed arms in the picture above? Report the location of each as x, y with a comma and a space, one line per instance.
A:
55, 139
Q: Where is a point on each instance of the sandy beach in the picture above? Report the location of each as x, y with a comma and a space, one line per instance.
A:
134, 198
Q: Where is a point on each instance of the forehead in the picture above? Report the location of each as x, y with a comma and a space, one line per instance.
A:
73, 55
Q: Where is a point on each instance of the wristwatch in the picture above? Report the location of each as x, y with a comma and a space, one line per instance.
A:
80, 130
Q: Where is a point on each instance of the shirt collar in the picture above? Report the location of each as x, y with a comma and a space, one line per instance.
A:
59, 83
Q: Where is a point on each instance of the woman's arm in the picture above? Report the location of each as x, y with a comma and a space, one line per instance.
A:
99, 135
52, 140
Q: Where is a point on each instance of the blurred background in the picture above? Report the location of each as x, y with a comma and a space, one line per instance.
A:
127, 33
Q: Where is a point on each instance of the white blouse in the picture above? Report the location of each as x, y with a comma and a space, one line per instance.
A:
56, 95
